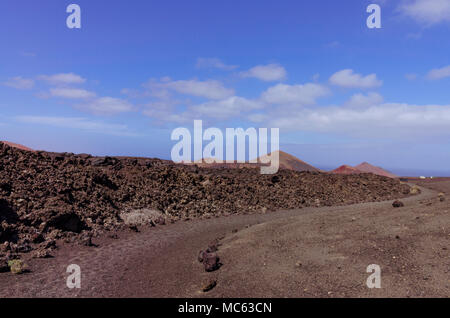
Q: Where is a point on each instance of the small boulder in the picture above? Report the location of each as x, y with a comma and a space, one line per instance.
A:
415, 190
398, 204
142, 217
17, 266
211, 262
209, 285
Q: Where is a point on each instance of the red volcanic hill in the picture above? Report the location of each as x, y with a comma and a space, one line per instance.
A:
346, 170
18, 146
368, 168
291, 162
364, 168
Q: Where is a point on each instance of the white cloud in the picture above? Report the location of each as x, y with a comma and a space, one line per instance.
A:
439, 73
224, 109
78, 123
388, 120
19, 82
164, 112
347, 78
210, 89
267, 73
361, 100
294, 94
258, 118
106, 106
428, 12
62, 79
72, 93
214, 63
280, 95
152, 88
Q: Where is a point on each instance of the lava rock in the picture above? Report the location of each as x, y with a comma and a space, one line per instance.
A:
4, 268
211, 262
134, 228
201, 256
213, 247
66, 221
62, 195
209, 285
42, 253
86, 239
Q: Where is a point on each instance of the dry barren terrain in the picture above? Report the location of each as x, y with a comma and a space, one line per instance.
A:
311, 252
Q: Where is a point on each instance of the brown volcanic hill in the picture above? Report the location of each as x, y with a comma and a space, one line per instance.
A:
18, 146
291, 162
287, 161
368, 168
345, 169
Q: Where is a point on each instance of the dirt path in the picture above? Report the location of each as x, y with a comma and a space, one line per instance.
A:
301, 253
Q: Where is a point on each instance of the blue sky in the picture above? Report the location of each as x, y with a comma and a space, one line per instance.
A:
338, 91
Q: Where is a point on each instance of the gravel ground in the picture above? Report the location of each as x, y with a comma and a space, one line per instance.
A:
311, 252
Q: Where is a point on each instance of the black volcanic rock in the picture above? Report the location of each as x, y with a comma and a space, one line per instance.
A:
62, 195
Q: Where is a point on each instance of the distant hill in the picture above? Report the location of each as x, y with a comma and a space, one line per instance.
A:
364, 168
287, 161
18, 146
367, 167
291, 162
345, 169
